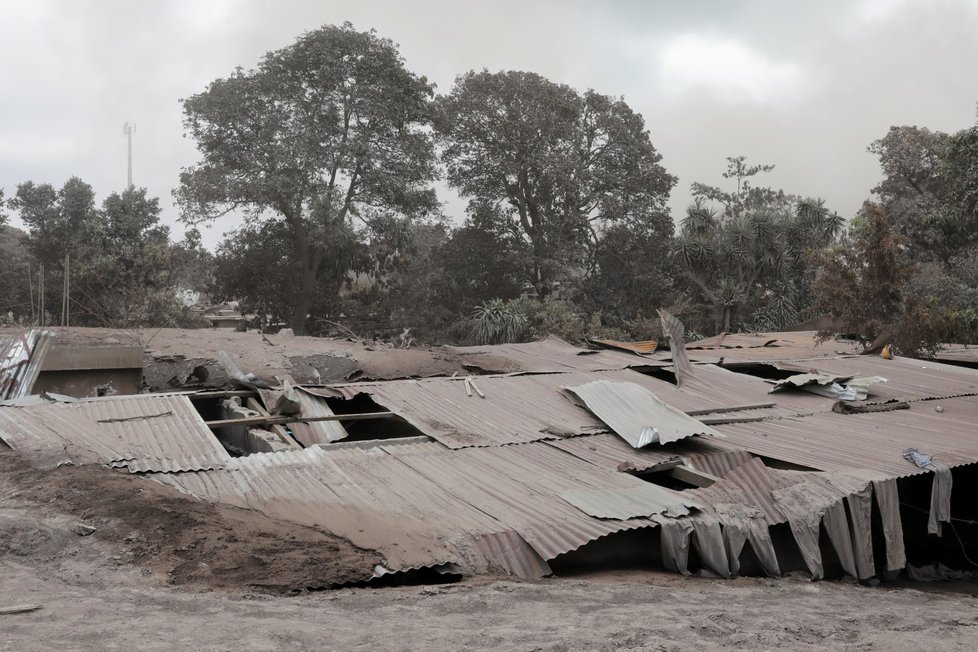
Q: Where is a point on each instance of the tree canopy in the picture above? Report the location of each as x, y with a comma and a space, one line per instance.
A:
324, 135
551, 166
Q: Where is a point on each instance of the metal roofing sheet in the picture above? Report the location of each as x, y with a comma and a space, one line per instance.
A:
422, 509
642, 347
553, 354
760, 347
21, 359
907, 379
532, 407
641, 501
836, 442
637, 414
143, 433
317, 432
610, 452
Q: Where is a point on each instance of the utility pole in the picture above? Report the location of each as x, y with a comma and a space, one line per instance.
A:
128, 129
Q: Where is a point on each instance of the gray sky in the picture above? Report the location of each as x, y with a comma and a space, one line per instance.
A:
803, 85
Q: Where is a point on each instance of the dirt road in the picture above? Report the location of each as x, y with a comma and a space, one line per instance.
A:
88, 605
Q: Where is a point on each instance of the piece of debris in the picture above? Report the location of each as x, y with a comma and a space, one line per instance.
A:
843, 388
846, 407
83, 529
19, 609
236, 376
286, 332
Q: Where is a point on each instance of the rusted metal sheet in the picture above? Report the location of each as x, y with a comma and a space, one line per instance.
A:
21, 359
141, 433
638, 415
644, 347
553, 354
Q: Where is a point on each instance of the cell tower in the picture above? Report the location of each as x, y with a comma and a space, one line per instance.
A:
129, 128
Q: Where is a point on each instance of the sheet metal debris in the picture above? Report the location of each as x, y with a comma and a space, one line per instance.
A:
637, 414
843, 388
21, 359
141, 433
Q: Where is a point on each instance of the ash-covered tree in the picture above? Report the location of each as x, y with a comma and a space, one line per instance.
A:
126, 279
913, 190
119, 264
329, 133
749, 262
254, 265
59, 221
192, 264
861, 283
548, 165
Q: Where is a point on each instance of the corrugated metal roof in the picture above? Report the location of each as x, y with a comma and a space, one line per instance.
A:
760, 347
553, 354
143, 433
638, 415
610, 452
836, 442
642, 347
641, 501
317, 432
907, 379
422, 508
532, 407
21, 359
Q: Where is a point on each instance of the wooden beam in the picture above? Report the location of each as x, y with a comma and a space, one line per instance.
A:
263, 420
256, 405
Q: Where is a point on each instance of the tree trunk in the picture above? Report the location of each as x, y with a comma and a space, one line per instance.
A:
308, 271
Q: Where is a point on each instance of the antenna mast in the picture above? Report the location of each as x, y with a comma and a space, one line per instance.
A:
129, 128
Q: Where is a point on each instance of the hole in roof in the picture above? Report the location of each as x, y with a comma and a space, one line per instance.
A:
660, 373
390, 428
759, 370
664, 478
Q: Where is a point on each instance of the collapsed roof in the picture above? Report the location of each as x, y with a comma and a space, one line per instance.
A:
513, 472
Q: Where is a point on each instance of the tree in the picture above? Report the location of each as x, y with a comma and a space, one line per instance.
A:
59, 222
3, 214
860, 284
633, 277
914, 188
326, 135
550, 166
749, 263
16, 302
193, 265
126, 280
119, 253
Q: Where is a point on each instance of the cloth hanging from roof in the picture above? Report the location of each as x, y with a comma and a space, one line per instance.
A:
888, 501
674, 536
940, 492
861, 509
837, 527
709, 544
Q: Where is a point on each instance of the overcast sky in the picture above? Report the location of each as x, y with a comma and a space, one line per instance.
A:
803, 85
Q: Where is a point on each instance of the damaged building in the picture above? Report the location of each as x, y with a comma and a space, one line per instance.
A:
744, 454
